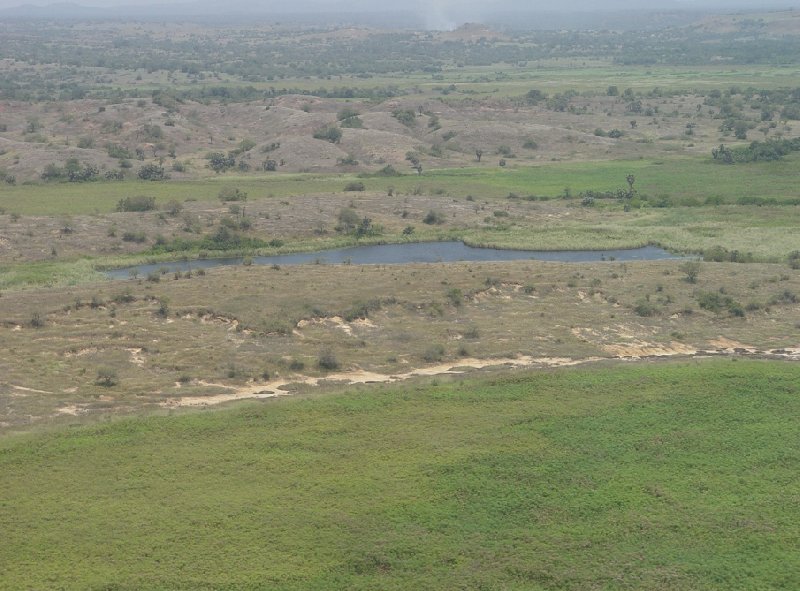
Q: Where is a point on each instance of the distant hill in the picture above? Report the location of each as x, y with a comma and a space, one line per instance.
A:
60, 10
786, 22
434, 14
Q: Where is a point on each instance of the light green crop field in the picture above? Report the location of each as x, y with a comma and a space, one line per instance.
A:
656, 476
593, 76
679, 178
554, 75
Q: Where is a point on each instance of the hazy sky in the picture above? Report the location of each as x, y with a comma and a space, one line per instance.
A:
441, 12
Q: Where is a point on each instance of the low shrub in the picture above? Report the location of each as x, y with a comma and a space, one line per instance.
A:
106, 377
433, 217
327, 360
231, 194
645, 308
355, 186
137, 237
433, 353
137, 203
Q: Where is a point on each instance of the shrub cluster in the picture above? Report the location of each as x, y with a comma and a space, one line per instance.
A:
137, 203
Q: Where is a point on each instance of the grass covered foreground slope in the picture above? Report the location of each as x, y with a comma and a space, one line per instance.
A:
656, 476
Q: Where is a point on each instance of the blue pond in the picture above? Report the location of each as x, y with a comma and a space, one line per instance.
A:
411, 252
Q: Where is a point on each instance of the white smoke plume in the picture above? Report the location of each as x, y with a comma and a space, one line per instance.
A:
435, 14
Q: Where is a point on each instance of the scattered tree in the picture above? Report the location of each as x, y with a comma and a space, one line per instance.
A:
348, 220
692, 270
630, 179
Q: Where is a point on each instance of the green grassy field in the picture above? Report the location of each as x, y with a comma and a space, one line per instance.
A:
552, 76
679, 178
668, 476
587, 76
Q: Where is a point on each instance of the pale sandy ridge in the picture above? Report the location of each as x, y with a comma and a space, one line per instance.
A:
631, 352
275, 388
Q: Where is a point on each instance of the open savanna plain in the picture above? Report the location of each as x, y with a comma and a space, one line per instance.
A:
470, 425
172, 339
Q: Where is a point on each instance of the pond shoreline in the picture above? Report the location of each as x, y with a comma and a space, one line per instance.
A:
403, 253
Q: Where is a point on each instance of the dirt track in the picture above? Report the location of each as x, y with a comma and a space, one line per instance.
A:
630, 352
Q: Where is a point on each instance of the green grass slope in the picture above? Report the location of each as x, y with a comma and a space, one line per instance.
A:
690, 180
668, 476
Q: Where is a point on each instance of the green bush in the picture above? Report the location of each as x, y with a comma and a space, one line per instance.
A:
645, 308
331, 134
348, 220
717, 302
361, 310
327, 360
355, 186
36, 320
433, 218
137, 237
433, 353
231, 194
137, 203
152, 172
348, 160
455, 296
106, 377
388, 170
219, 162
692, 270
173, 207
405, 116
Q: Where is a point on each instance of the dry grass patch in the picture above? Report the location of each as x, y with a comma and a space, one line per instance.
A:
243, 326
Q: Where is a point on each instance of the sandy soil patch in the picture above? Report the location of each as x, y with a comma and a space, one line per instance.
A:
82, 352
136, 356
274, 388
638, 349
335, 322
32, 390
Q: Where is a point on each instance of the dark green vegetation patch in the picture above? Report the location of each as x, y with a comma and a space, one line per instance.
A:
673, 476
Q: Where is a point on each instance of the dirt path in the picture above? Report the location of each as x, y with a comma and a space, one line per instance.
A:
631, 352
274, 388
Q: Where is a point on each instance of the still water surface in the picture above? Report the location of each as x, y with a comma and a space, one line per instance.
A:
410, 252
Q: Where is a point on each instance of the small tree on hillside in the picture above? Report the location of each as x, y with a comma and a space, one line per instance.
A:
692, 270
630, 180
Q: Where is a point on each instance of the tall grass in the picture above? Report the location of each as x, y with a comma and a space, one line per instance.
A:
675, 476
